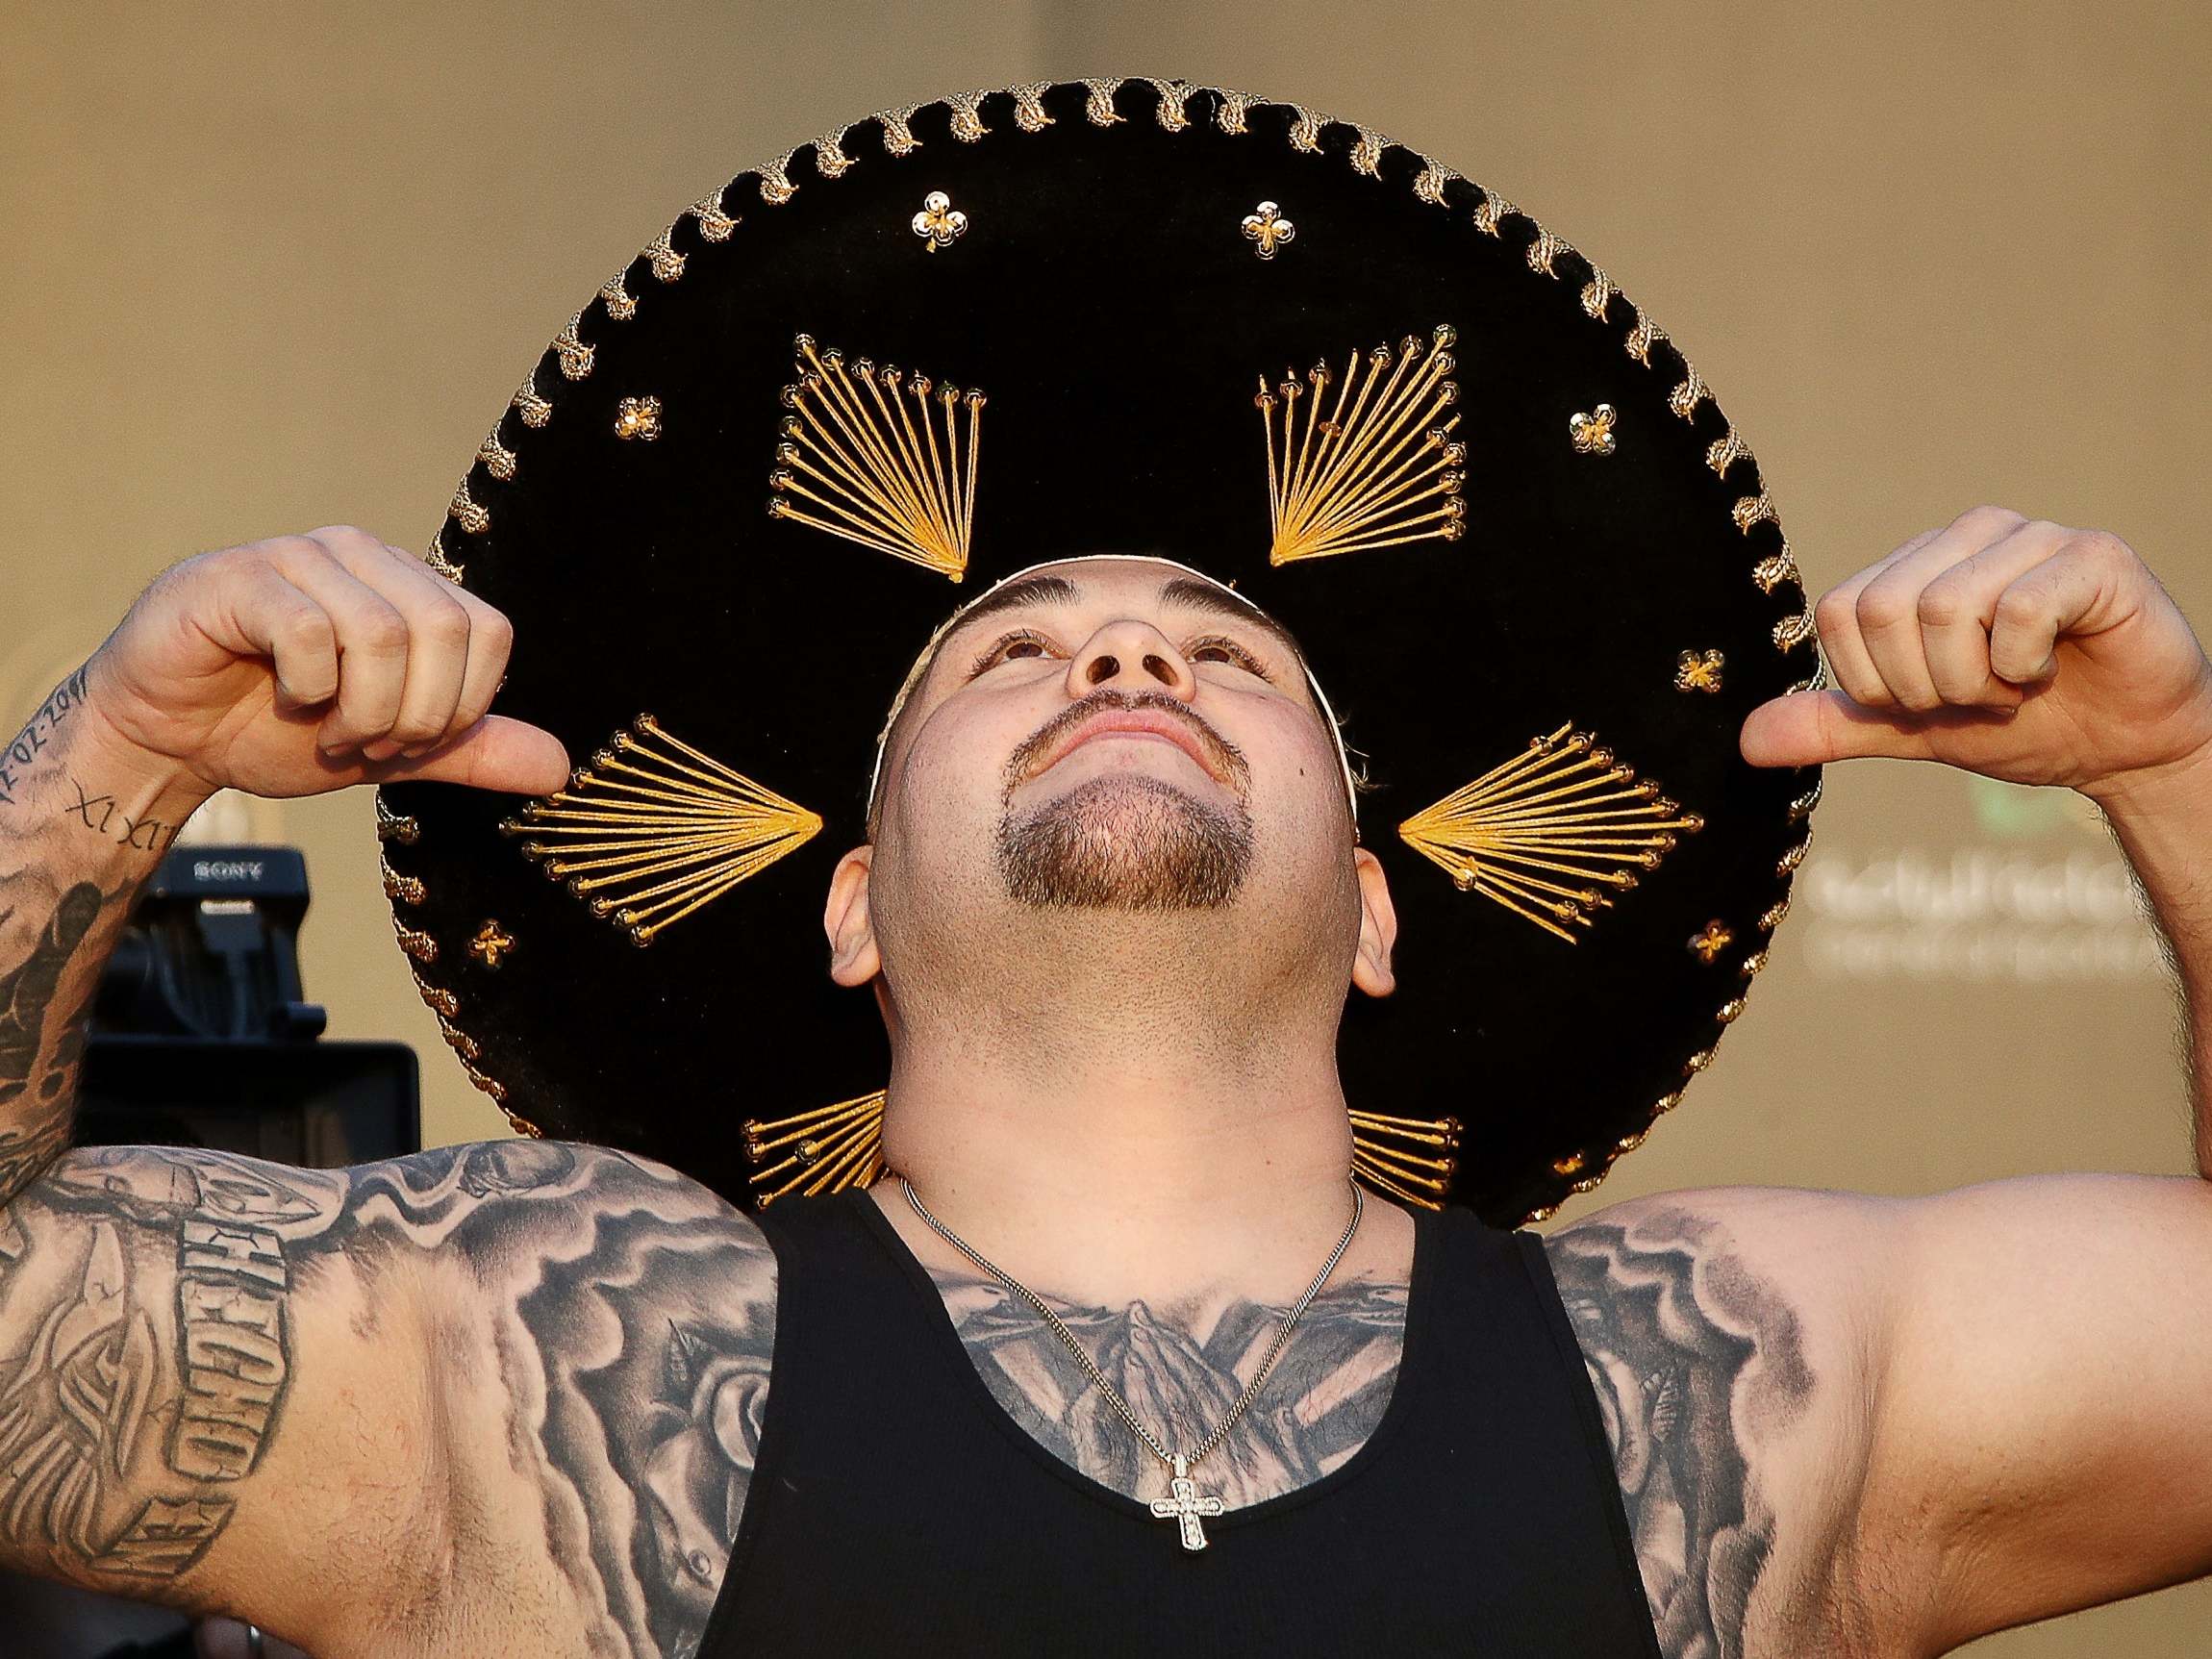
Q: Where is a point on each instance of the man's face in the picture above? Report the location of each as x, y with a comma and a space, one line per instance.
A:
1112, 738
1116, 732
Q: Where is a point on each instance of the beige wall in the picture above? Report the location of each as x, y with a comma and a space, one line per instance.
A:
272, 267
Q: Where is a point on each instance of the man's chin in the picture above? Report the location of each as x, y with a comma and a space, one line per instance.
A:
1126, 841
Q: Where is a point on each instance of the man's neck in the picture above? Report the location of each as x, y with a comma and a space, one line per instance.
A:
1117, 1148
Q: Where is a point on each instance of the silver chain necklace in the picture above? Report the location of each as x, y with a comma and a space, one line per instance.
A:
1186, 1504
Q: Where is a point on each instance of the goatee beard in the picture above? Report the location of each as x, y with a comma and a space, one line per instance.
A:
1125, 841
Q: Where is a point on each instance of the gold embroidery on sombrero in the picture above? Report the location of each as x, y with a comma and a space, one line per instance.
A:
1707, 944
715, 225
1699, 671
832, 1147
1795, 857
638, 417
435, 557
395, 827
966, 119
1174, 98
1267, 227
1434, 175
661, 255
458, 1041
1404, 1172
1776, 569
1545, 250
899, 137
940, 222
830, 159
1724, 453
776, 186
575, 356
1029, 105
1597, 293
1814, 681
491, 943
535, 410
397, 888
498, 1089
1306, 130
1593, 432
1099, 103
1381, 459
465, 510
436, 997
499, 460
1565, 808
653, 828
415, 941
899, 491
1793, 630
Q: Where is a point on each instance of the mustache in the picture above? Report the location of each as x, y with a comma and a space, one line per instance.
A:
1226, 757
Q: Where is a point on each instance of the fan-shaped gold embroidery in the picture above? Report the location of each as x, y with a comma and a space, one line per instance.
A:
653, 829
1552, 833
832, 1147
1403, 1170
1379, 467
858, 456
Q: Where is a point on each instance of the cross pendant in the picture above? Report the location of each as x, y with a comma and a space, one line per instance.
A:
1187, 1505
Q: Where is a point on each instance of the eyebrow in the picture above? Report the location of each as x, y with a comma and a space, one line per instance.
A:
1181, 592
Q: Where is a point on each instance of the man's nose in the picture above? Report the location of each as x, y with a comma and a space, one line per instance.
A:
1130, 655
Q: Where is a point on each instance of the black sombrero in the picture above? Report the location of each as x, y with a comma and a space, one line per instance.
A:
1528, 557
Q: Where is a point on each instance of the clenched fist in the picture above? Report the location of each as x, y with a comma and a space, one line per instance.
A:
2017, 648
303, 663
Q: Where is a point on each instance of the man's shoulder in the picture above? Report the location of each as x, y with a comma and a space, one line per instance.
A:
1729, 1334
629, 1316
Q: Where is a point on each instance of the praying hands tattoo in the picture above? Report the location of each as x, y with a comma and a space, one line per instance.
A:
1325, 1396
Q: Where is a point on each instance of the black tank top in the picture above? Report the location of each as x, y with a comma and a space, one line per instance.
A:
895, 1508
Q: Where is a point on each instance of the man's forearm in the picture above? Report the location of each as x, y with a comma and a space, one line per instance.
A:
83, 825
2164, 823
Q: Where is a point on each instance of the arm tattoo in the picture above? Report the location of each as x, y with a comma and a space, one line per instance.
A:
147, 1355
33, 1114
25, 746
1325, 1396
104, 816
1690, 1357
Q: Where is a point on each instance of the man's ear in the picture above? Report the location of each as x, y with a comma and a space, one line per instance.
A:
854, 958
1378, 926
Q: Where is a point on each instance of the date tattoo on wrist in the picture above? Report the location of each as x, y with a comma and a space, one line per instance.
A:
24, 747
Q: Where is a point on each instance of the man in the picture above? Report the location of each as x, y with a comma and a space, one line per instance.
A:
406, 1408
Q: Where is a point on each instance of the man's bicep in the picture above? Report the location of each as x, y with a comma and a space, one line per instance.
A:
2044, 1429
310, 1396
151, 1316
635, 1339
1726, 1331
